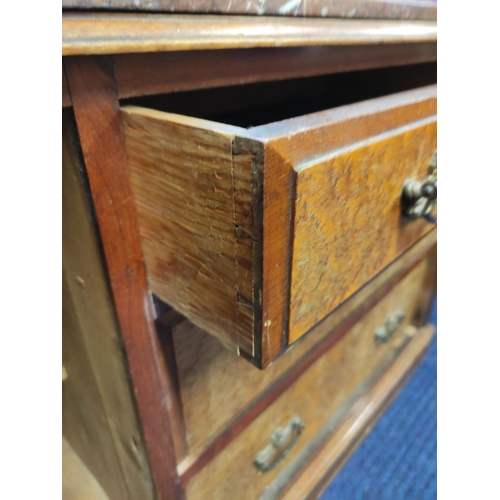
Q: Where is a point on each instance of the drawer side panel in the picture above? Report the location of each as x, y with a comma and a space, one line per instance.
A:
182, 178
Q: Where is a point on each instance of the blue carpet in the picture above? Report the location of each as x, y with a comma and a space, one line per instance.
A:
397, 461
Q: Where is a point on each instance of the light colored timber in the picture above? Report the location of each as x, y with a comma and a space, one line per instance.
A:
207, 370
318, 473
110, 33
78, 483
99, 415
220, 208
187, 201
348, 222
293, 142
314, 397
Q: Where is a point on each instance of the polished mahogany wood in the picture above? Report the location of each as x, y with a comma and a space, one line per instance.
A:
110, 33
260, 314
95, 104
164, 72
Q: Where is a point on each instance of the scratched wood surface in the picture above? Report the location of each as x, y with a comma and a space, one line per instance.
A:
162, 72
348, 223
298, 140
223, 260
396, 9
111, 33
247, 185
189, 204
362, 417
314, 397
207, 370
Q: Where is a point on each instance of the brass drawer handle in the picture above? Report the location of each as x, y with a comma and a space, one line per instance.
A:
391, 326
419, 198
282, 441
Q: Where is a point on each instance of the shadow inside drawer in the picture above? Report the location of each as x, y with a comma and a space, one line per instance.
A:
255, 104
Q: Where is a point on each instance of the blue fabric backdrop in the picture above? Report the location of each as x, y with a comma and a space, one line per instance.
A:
398, 458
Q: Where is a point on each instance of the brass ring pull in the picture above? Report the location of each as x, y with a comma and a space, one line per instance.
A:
282, 441
419, 198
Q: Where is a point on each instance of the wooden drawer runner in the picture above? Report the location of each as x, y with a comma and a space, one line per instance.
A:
316, 395
257, 234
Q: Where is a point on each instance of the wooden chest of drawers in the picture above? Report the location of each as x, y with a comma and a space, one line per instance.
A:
269, 229
280, 220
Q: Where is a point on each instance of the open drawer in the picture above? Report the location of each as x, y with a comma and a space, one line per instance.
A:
256, 234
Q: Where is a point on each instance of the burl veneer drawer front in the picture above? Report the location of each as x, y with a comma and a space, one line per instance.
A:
348, 224
263, 460
256, 234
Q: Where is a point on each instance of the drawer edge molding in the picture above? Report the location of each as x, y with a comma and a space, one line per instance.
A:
112, 33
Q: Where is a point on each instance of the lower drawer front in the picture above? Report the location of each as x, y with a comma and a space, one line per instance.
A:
315, 396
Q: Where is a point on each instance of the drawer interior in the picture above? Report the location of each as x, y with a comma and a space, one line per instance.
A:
252, 105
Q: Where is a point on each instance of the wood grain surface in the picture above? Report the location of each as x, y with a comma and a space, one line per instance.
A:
396, 9
207, 370
189, 202
99, 414
225, 260
348, 223
296, 141
314, 397
247, 186
358, 422
99, 122
163, 72
110, 33
176, 415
